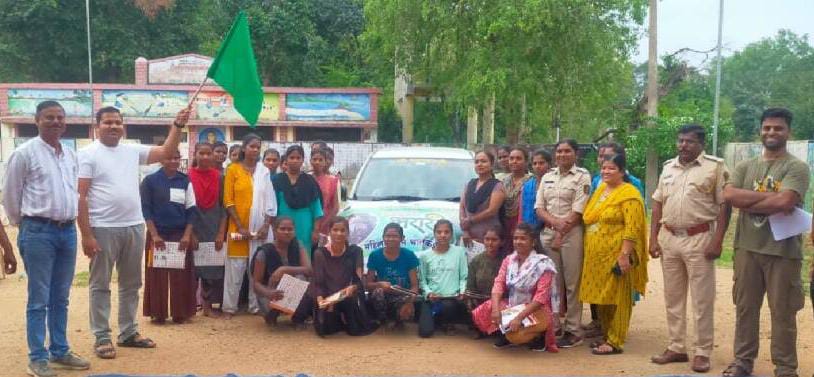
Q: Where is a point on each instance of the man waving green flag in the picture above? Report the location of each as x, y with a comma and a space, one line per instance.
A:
235, 69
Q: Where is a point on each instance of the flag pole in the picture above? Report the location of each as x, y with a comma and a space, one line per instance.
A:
197, 91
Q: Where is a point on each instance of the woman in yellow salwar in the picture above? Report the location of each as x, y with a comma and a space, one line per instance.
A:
615, 264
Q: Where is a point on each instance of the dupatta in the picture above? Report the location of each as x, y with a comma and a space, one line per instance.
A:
592, 215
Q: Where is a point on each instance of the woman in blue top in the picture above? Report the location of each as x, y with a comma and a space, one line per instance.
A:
391, 271
168, 202
299, 197
540, 164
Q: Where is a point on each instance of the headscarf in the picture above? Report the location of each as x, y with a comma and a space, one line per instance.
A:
299, 195
475, 198
593, 212
206, 185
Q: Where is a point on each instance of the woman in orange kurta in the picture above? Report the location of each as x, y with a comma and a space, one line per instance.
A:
615, 264
248, 197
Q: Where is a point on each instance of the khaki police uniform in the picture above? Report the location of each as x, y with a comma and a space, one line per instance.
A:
560, 194
691, 196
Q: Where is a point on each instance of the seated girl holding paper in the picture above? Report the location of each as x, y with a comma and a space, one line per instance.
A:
338, 285
525, 278
283, 256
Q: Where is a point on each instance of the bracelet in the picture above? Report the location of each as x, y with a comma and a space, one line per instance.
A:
174, 123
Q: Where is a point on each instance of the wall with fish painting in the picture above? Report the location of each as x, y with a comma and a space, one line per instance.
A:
327, 107
76, 102
146, 103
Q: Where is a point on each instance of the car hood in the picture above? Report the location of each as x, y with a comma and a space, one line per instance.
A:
368, 218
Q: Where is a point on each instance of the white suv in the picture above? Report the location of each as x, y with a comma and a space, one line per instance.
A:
412, 186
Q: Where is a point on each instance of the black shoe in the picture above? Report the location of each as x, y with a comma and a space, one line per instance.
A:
537, 345
502, 342
569, 340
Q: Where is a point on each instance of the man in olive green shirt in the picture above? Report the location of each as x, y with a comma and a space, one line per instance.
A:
772, 183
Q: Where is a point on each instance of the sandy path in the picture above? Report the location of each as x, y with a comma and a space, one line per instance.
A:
246, 346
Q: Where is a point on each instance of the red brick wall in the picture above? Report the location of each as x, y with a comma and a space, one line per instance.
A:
142, 71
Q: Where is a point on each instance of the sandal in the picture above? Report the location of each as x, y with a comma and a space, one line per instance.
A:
613, 350
735, 370
137, 341
104, 349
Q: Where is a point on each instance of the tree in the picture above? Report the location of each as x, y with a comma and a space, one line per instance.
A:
45, 40
773, 72
568, 59
687, 98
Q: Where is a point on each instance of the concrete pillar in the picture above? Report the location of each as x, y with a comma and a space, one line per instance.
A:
7, 140
142, 71
406, 109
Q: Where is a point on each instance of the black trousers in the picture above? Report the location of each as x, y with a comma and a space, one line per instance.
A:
349, 315
440, 312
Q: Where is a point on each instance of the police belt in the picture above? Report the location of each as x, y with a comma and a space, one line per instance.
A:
689, 232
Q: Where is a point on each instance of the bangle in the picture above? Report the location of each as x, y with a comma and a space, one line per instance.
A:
176, 124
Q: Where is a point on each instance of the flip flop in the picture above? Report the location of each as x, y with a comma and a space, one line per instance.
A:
137, 341
104, 350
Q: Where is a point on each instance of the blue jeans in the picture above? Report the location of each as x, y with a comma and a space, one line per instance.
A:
49, 256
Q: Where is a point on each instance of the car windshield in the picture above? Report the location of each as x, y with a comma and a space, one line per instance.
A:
410, 179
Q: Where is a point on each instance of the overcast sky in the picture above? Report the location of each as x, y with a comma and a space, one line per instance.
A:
694, 24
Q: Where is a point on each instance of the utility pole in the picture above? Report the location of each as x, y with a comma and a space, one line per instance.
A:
717, 109
90, 63
651, 158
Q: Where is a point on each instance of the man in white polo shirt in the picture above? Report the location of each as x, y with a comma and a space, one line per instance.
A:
112, 224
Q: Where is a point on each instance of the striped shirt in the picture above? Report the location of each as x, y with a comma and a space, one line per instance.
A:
40, 182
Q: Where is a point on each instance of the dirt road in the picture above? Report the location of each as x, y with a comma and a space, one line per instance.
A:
246, 346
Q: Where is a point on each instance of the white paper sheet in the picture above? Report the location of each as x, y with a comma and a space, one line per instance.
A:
785, 226
293, 290
170, 257
207, 255
509, 314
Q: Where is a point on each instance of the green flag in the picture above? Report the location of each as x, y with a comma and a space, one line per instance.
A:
235, 69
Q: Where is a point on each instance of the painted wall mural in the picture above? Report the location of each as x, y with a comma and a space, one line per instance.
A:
216, 106
211, 135
271, 107
76, 102
327, 107
146, 103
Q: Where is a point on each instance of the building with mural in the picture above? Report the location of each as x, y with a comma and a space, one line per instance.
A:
164, 86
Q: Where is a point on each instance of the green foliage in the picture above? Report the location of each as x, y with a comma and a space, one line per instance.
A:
45, 40
774, 72
569, 59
